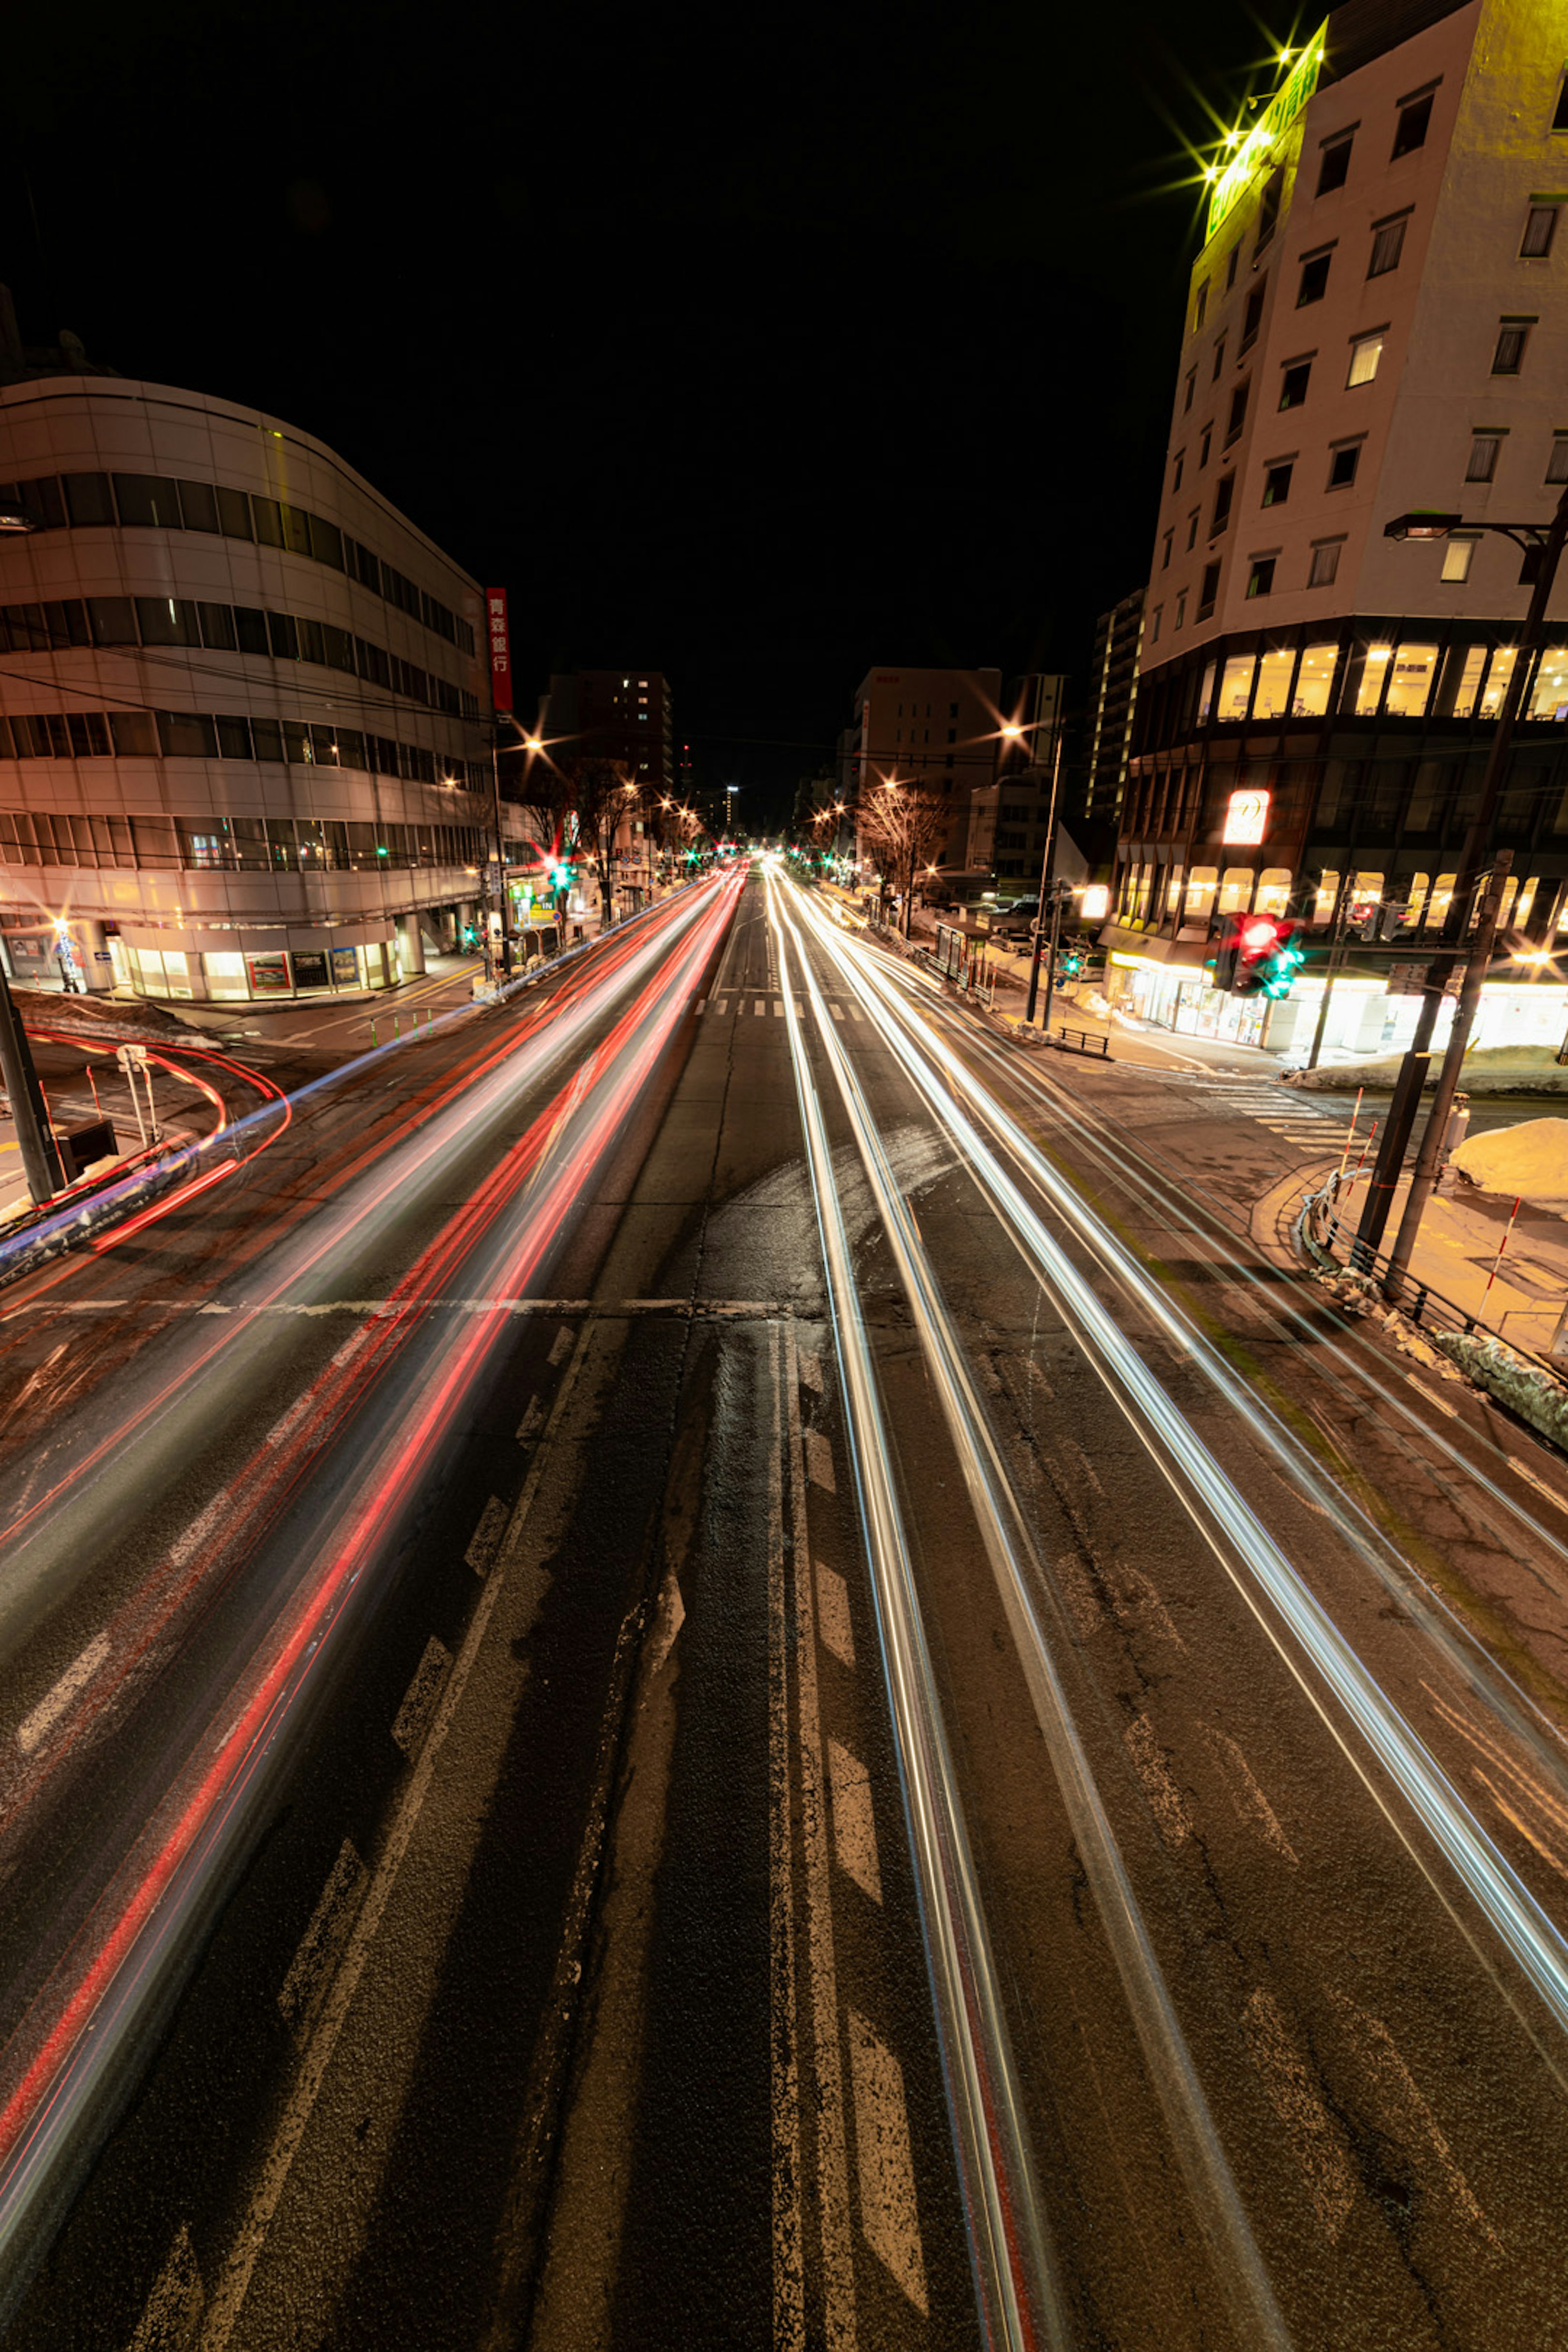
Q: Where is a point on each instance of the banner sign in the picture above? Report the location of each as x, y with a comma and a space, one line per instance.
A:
500, 647
1231, 185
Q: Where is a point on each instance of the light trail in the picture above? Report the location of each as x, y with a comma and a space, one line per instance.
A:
79, 2027
1238, 2267
1020, 2302
1248, 1553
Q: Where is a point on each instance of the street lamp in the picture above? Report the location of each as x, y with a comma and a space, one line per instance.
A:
1542, 545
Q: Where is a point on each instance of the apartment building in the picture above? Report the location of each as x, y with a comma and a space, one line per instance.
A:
940, 729
244, 749
1377, 322
1009, 819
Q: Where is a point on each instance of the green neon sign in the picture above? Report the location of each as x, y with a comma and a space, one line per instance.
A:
1278, 114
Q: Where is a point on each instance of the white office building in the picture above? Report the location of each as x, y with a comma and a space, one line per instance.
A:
244, 716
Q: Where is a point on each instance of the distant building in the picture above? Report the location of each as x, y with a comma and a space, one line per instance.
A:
244, 702
1112, 701
615, 714
937, 728
1009, 819
1377, 322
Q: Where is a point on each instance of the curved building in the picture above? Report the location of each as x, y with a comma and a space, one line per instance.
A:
245, 718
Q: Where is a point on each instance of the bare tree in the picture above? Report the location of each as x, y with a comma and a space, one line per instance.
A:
904, 826
600, 793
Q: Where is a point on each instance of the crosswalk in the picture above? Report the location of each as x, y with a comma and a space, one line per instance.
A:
762, 1007
1294, 1120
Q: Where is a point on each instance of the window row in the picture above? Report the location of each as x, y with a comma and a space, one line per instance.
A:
223, 628
180, 734
1378, 680
234, 845
58, 501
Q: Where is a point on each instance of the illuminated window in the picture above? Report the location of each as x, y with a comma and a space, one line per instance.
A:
1498, 678
1326, 897
1540, 228
1235, 686
1342, 464
1513, 335
1366, 353
1549, 698
1410, 681
1273, 890
1236, 890
1412, 122
1374, 669
1293, 383
1206, 700
1387, 244
1335, 165
1277, 485
1260, 579
1202, 883
1557, 463
1314, 279
1482, 466
1324, 567
1274, 683
1314, 681
1457, 556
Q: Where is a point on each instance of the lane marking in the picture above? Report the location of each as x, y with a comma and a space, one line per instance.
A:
485, 1541
1413, 2120
788, 2231
760, 1005
1165, 1800
1523, 1470
833, 1613
326, 1932
883, 2166
810, 1372
838, 2254
1314, 2141
413, 1717
54, 1703
1432, 1397
819, 1462
722, 1005
533, 1421
701, 1005
853, 1822
1252, 1806
172, 2312
560, 1346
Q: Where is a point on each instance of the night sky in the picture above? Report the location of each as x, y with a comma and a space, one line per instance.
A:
753, 344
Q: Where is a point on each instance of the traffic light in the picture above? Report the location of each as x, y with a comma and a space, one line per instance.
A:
560, 877
1071, 964
1225, 961
1267, 957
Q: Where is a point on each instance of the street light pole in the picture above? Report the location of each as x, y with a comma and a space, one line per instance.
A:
30, 1113
500, 853
1045, 864
1549, 543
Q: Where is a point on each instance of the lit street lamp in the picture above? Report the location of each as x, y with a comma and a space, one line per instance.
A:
1542, 545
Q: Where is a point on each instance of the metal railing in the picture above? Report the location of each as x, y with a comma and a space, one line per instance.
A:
1081, 1040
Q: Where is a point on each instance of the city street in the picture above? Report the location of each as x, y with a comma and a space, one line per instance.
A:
718, 1662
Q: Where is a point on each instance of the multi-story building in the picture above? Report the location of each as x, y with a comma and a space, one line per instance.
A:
244, 749
1112, 701
1009, 819
1377, 322
623, 715
940, 729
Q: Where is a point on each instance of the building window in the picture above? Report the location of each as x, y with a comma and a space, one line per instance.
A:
1277, 485
1342, 464
1209, 591
1260, 579
1252, 317
1335, 166
1540, 228
1484, 450
1182, 608
1293, 383
1191, 387
1154, 631
1204, 446
1191, 531
1557, 463
1165, 546
1387, 244
1366, 353
1218, 360
1181, 460
1268, 214
1314, 279
1560, 123
1201, 306
1458, 555
1224, 490
1412, 122
1513, 336
1230, 267
1325, 564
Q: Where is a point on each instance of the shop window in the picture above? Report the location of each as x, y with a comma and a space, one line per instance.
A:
1472, 660
1410, 681
1550, 698
1498, 677
1235, 686
1272, 697
1273, 890
1206, 698
1326, 896
1374, 670
1314, 681
1236, 890
1202, 884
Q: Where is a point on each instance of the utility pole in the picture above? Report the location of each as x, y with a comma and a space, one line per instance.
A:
500, 853
1547, 548
1336, 946
40, 1155
1060, 893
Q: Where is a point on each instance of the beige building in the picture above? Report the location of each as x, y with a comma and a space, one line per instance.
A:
938, 728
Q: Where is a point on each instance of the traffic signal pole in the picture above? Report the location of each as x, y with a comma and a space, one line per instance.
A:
29, 1114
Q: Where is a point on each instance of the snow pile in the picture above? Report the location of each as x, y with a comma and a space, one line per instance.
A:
1489, 1070
101, 1016
1530, 1161
1532, 1392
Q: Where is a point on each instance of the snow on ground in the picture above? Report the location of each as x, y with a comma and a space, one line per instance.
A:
1489, 1070
1530, 1161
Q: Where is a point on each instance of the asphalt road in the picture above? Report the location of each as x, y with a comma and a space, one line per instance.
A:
924, 1743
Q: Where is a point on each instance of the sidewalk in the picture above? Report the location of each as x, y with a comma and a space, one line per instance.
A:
1458, 1250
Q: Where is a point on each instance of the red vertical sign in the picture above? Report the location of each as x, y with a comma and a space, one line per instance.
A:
500, 647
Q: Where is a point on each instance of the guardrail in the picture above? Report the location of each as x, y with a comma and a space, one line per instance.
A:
1089, 1042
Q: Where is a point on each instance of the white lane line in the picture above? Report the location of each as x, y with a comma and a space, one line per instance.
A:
533, 1421
819, 1462
1245, 1794
561, 1345
788, 2231
778, 1007
810, 1372
701, 1005
883, 2166
722, 1005
1165, 1800
1412, 2119
485, 1541
173, 2312
833, 1613
54, 1703
1523, 1470
326, 1932
1432, 1397
853, 1822
761, 1004
837, 1011
1314, 2141
414, 1715
837, 2253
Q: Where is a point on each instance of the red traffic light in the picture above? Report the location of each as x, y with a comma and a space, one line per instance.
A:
1258, 934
